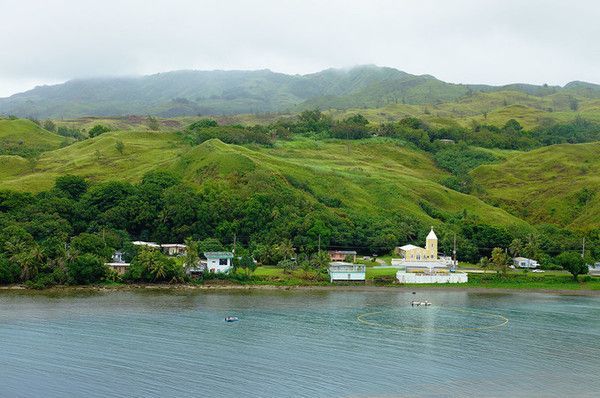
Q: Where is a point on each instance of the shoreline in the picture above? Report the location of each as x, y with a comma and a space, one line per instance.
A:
341, 288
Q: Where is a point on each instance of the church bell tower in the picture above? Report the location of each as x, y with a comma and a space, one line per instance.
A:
431, 247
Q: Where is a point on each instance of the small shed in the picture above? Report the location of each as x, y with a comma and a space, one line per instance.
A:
341, 255
120, 267
117, 263
174, 249
218, 261
343, 271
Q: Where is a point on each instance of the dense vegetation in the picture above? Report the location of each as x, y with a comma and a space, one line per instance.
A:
65, 235
282, 187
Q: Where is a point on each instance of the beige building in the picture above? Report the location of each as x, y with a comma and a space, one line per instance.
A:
424, 265
416, 253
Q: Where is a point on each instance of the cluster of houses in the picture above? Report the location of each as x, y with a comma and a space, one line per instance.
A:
419, 265
212, 261
415, 264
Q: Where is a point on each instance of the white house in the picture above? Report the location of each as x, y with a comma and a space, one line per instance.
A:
343, 271
594, 269
218, 261
523, 262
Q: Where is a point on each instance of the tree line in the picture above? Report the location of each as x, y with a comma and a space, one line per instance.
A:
68, 233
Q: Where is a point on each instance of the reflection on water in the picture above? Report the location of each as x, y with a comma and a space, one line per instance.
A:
297, 343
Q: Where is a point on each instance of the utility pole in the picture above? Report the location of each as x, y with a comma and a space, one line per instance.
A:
454, 252
234, 239
583, 248
319, 244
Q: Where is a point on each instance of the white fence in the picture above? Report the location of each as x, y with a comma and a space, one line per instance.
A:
410, 277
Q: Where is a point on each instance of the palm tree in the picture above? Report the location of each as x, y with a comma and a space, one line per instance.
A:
23, 256
27, 263
516, 247
192, 253
286, 249
320, 261
157, 269
37, 253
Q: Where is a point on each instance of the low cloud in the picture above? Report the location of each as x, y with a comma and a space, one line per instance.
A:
470, 41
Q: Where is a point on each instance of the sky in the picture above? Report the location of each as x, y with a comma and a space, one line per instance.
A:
459, 41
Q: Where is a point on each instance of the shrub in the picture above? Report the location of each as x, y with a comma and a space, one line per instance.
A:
153, 266
98, 130
86, 269
73, 186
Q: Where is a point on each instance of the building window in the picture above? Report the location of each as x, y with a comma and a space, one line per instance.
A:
223, 261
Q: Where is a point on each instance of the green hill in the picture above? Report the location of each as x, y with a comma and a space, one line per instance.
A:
375, 177
556, 184
25, 138
98, 159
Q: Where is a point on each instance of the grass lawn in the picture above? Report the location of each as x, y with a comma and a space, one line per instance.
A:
380, 272
515, 279
269, 271
562, 281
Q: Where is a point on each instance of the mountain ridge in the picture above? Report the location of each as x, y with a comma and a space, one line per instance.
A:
226, 92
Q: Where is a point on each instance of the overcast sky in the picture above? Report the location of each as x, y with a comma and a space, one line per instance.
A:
461, 41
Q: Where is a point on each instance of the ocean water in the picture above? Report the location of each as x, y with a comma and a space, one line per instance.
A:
298, 344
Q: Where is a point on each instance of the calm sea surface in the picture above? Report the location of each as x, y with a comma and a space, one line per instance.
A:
292, 344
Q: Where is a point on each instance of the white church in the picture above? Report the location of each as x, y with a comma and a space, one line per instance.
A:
423, 265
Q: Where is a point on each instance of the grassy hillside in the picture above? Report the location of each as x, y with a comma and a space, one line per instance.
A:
375, 177
23, 137
97, 159
559, 183
494, 108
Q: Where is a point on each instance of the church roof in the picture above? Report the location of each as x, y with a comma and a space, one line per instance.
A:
409, 247
431, 235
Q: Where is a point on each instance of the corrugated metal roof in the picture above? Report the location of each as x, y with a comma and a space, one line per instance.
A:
218, 254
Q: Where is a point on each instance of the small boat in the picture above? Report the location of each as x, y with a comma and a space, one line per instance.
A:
420, 303
231, 319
